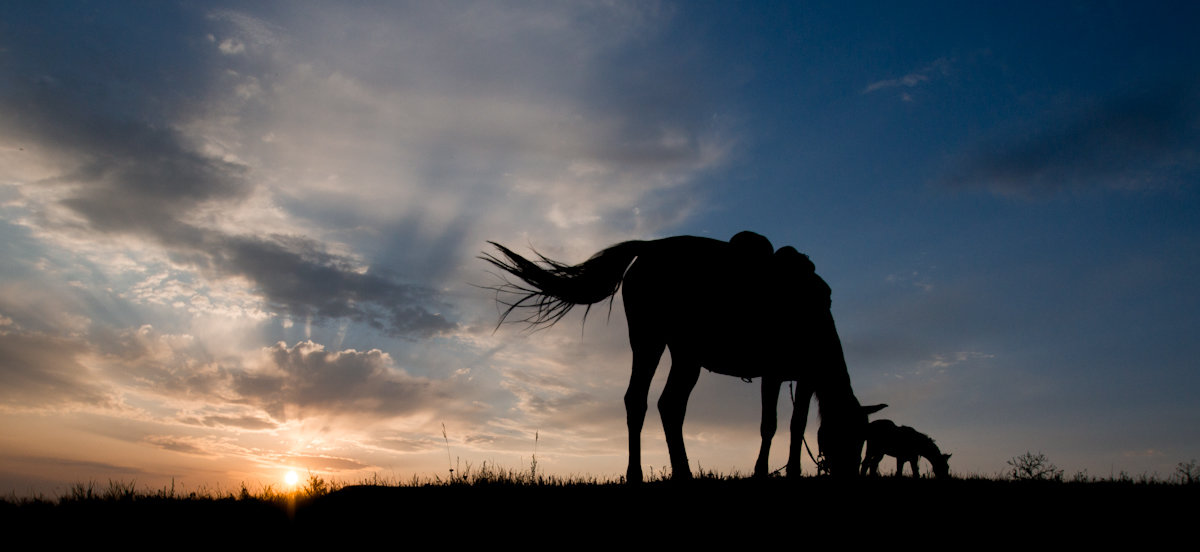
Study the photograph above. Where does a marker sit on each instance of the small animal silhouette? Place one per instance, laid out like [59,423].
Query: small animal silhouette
[884,437]
[736,308]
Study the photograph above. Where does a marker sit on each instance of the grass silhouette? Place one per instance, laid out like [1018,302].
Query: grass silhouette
[490,504]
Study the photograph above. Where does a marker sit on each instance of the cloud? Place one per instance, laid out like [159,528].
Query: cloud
[325,463]
[176,378]
[242,422]
[910,80]
[132,173]
[1148,139]
[943,361]
[407,445]
[43,372]
[300,279]
[939,67]
[306,380]
[231,46]
[197,447]
[78,466]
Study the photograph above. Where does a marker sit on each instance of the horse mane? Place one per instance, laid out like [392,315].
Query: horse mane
[928,444]
[924,444]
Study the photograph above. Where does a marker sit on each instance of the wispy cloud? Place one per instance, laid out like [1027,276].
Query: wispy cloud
[939,67]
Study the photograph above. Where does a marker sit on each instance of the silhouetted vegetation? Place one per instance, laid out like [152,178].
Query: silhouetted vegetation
[1033,467]
[1188,473]
[476,504]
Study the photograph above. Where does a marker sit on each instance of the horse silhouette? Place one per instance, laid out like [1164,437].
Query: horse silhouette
[884,437]
[737,308]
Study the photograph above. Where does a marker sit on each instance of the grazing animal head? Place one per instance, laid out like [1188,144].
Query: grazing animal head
[841,437]
[941,465]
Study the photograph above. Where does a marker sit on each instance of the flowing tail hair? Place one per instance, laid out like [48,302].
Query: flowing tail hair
[549,289]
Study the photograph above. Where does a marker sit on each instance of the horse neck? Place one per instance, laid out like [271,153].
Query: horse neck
[832,388]
[832,381]
[927,448]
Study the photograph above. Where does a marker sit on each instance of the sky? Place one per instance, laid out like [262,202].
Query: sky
[242,238]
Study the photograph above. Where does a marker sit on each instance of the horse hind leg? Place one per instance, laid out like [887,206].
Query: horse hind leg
[873,465]
[646,355]
[672,406]
[770,400]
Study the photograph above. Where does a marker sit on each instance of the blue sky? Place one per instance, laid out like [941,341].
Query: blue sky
[241,238]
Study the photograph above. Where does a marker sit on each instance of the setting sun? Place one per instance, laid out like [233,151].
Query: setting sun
[291,478]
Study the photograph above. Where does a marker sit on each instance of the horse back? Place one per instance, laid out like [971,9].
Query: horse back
[712,300]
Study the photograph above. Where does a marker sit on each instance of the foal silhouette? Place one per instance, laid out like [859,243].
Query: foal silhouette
[736,308]
[906,444]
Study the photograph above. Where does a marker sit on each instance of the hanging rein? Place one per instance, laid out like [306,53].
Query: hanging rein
[792,395]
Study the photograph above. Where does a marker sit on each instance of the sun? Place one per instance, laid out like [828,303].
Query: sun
[291,478]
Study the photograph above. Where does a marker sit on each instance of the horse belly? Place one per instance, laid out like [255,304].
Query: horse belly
[744,357]
[737,370]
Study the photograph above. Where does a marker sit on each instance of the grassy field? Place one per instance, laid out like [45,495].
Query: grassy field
[491,508]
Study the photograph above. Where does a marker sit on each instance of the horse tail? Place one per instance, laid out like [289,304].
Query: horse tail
[549,289]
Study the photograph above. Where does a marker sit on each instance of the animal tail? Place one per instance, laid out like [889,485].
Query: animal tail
[549,289]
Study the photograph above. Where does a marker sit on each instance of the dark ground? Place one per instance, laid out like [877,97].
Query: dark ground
[705,513]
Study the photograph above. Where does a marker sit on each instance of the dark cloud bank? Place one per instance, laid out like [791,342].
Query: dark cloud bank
[1143,140]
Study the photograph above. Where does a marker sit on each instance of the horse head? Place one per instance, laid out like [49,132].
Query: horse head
[941,465]
[841,436]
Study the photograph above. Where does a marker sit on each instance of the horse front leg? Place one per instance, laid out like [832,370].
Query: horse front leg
[671,408]
[645,363]
[770,399]
[799,420]
[870,463]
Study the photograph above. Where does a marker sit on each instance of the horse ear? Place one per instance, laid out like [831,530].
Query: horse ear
[873,408]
